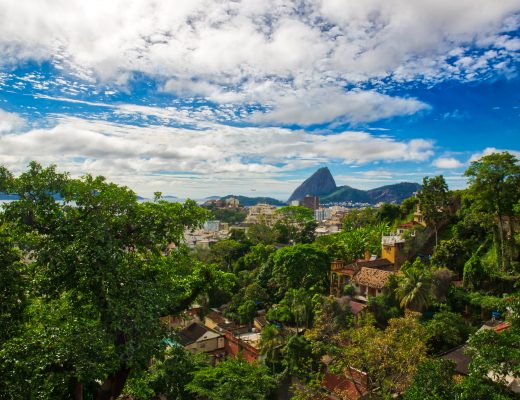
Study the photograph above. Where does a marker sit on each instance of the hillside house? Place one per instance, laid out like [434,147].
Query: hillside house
[199,339]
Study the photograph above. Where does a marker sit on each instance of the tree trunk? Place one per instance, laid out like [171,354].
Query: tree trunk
[435,228]
[78,389]
[501,236]
[114,384]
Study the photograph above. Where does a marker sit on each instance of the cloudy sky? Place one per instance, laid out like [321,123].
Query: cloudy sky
[198,98]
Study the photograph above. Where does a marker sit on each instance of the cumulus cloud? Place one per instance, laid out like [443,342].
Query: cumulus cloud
[327,105]
[118,150]
[490,150]
[447,163]
[283,55]
[10,122]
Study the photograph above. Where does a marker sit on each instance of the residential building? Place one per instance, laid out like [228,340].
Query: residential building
[392,249]
[198,338]
[232,202]
[211,226]
[311,202]
[261,213]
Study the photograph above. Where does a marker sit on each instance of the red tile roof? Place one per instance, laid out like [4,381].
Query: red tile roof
[356,307]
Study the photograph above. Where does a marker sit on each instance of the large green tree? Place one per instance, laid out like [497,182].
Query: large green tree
[433,200]
[389,358]
[295,224]
[433,380]
[299,266]
[100,274]
[233,379]
[494,189]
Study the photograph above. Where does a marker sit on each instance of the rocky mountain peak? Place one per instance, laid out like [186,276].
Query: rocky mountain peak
[318,184]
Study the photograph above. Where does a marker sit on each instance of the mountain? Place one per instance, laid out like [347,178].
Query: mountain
[385,194]
[393,193]
[321,183]
[346,193]
[252,201]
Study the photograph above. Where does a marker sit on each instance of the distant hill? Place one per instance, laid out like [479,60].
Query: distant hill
[396,193]
[252,201]
[385,194]
[346,193]
[321,183]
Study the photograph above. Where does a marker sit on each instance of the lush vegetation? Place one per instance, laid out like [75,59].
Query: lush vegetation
[86,279]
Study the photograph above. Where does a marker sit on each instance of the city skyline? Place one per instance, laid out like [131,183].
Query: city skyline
[205,98]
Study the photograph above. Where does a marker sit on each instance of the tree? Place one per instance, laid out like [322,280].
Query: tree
[358,218]
[446,330]
[329,321]
[495,353]
[295,224]
[388,213]
[12,286]
[433,199]
[479,388]
[298,358]
[299,266]
[226,252]
[247,311]
[101,276]
[451,254]
[352,245]
[255,257]
[271,343]
[432,381]
[389,358]
[494,186]
[261,233]
[414,288]
[232,379]
[166,377]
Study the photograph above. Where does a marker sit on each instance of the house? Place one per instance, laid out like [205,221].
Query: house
[392,249]
[262,213]
[260,322]
[184,319]
[370,282]
[199,339]
[368,276]
[418,216]
[245,344]
[216,321]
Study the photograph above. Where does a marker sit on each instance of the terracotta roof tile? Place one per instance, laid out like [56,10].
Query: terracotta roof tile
[372,277]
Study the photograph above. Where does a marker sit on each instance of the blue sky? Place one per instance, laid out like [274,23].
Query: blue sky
[199,98]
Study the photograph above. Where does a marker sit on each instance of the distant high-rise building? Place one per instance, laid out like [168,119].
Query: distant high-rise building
[212,226]
[312,202]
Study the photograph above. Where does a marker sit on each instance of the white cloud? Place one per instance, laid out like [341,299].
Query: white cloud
[283,55]
[10,122]
[447,163]
[326,105]
[490,150]
[128,153]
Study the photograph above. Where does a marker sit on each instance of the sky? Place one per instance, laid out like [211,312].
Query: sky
[198,98]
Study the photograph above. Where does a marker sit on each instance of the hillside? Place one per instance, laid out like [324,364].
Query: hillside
[396,193]
[252,201]
[346,193]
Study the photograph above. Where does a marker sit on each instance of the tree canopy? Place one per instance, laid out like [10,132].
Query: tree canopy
[99,274]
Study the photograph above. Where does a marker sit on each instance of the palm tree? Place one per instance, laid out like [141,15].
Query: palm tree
[270,344]
[414,290]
